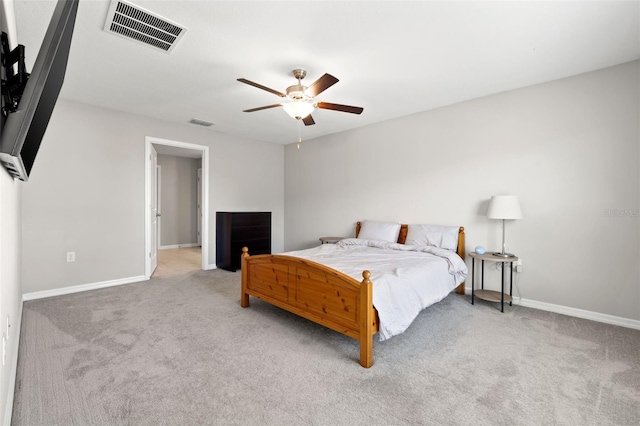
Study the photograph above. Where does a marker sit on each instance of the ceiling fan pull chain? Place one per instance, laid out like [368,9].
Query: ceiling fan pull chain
[299,136]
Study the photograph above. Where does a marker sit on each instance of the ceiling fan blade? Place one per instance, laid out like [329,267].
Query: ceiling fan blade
[338,107]
[260,86]
[321,84]
[262,107]
[308,120]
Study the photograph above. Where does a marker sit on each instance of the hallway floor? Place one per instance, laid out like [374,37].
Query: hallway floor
[177,261]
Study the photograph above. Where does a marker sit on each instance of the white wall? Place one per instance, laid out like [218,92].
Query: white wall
[10,293]
[10,242]
[569,149]
[178,189]
[86,193]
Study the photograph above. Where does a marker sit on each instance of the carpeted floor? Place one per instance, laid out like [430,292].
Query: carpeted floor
[180,350]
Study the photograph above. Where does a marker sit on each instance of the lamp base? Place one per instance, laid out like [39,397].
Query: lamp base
[505,255]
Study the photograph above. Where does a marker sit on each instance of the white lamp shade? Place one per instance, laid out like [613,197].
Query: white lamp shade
[298,109]
[504,207]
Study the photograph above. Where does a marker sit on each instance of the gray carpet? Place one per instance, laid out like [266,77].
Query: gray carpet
[181,350]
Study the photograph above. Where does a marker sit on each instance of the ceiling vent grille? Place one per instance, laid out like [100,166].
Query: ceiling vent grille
[135,23]
[200,122]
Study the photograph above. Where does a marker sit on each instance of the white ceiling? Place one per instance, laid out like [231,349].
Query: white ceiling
[393,58]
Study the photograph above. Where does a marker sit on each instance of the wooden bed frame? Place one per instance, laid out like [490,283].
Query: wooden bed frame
[319,293]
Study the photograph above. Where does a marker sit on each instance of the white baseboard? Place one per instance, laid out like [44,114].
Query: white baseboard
[82,287]
[13,371]
[175,246]
[574,312]
[91,286]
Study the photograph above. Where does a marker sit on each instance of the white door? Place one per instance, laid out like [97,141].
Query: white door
[158,231]
[153,208]
[199,207]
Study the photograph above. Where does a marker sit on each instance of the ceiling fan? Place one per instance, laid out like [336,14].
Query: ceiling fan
[301,98]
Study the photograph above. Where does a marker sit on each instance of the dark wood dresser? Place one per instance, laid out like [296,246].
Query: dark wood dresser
[235,230]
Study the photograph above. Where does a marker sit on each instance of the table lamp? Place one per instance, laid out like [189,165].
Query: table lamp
[504,207]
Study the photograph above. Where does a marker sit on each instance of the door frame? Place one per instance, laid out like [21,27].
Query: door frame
[152,162]
[204,150]
[199,206]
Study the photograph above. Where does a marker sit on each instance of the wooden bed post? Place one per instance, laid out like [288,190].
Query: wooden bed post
[461,254]
[244,296]
[366,321]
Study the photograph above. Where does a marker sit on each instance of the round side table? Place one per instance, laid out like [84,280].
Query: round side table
[490,295]
[330,240]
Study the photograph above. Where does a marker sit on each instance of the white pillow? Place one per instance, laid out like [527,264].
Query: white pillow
[383,231]
[445,237]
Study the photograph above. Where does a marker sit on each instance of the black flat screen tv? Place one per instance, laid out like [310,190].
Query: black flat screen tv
[22,130]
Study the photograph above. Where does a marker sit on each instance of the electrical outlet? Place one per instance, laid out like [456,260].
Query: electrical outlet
[71,256]
[518,265]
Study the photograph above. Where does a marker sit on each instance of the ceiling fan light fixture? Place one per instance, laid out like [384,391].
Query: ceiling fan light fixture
[298,109]
[301,100]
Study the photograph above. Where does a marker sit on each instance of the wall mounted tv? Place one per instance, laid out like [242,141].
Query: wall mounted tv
[23,129]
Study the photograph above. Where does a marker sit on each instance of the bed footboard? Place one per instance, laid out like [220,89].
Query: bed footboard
[315,292]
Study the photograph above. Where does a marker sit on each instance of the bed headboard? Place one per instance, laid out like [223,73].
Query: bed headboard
[404,228]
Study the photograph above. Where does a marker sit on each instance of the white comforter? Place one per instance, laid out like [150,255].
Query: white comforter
[406,279]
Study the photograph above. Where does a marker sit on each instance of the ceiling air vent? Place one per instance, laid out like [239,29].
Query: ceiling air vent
[135,23]
[200,122]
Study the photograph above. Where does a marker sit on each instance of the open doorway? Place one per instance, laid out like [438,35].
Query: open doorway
[177,261]
[180,250]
